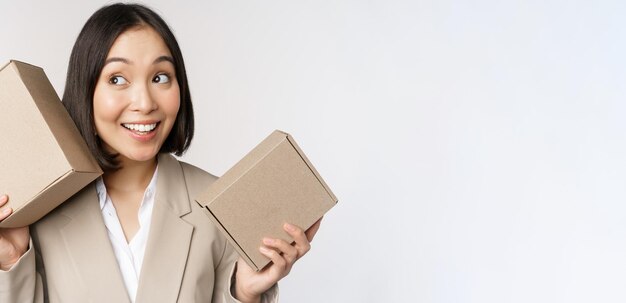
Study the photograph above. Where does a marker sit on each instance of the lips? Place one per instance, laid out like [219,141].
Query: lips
[141,128]
[142,131]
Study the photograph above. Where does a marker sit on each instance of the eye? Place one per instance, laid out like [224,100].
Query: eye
[161,78]
[117,80]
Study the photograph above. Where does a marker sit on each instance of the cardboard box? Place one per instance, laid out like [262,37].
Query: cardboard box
[273,184]
[43,158]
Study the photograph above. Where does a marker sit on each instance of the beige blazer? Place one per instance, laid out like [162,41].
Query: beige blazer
[186,260]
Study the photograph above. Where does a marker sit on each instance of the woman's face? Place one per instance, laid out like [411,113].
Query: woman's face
[137,97]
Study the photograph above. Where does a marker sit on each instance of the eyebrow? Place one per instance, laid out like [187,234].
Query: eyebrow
[124,60]
[116,59]
[164,58]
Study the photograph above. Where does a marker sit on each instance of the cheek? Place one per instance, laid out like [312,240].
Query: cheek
[106,106]
[171,103]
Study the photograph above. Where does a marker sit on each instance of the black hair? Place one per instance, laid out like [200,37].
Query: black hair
[87,60]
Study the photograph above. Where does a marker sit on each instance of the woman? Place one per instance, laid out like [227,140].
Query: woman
[134,235]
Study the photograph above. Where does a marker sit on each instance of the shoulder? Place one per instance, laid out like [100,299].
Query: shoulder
[193,172]
[196,179]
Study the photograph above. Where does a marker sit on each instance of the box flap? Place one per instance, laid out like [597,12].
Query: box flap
[229,237]
[47,200]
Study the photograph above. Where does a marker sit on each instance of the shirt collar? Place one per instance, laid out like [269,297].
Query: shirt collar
[148,194]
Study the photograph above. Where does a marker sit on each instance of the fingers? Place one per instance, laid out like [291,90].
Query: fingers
[301,241]
[5,211]
[280,264]
[289,252]
[284,254]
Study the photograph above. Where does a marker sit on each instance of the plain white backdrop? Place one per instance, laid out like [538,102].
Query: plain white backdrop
[478,148]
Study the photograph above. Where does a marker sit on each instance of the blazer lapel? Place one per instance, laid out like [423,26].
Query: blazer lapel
[169,237]
[88,245]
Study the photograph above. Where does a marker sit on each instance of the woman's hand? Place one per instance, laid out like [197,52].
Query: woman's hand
[13,241]
[250,284]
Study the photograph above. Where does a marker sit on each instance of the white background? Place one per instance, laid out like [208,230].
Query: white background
[477,147]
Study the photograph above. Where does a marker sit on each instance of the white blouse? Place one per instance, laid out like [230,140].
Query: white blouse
[129,255]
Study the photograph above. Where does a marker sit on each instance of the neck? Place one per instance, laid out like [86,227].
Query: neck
[133,176]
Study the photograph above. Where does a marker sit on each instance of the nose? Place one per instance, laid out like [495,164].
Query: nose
[142,100]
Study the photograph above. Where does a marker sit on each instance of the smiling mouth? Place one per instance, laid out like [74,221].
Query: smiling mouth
[141,129]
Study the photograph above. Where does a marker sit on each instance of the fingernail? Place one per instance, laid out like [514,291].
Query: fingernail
[268,241]
[3,198]
[6,211]
[290,227]
[264,250]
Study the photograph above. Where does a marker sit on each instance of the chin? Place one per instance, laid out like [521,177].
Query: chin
[141,156]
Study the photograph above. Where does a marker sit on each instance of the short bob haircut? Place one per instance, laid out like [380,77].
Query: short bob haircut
[87,60]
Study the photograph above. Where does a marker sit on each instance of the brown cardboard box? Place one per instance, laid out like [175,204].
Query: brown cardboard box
[273,184]
[43,158]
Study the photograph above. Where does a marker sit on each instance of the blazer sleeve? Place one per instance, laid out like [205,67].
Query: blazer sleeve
[225,280]
[22,283]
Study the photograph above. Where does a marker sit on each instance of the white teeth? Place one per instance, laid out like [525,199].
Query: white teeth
[140,127]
